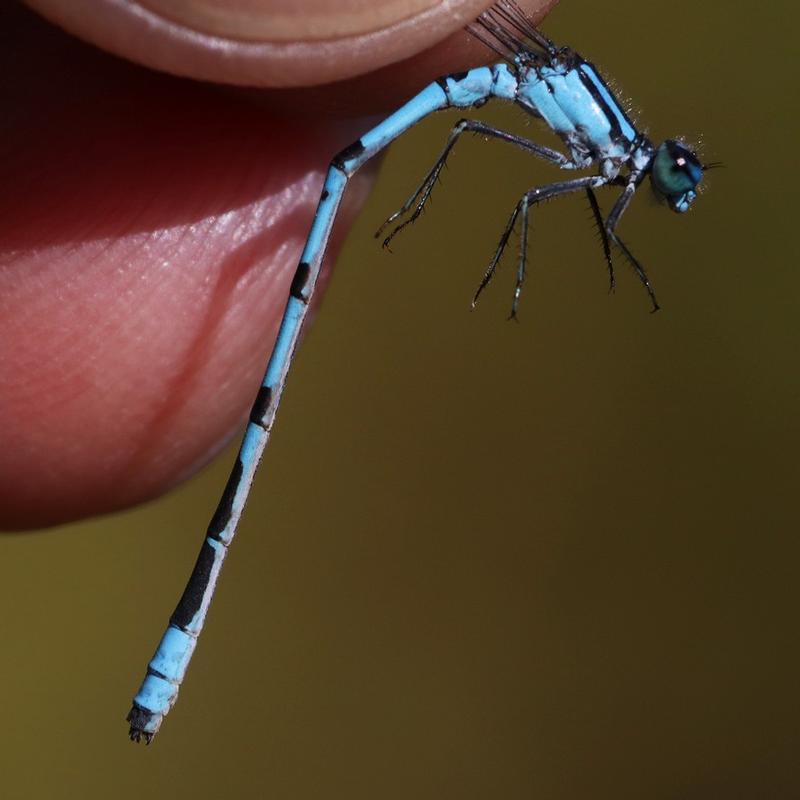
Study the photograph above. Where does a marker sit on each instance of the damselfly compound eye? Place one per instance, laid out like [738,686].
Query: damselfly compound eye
[675,174]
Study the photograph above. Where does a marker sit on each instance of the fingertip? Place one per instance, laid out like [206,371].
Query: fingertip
[149,233]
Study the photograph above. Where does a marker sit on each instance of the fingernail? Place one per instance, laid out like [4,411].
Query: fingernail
[288,20]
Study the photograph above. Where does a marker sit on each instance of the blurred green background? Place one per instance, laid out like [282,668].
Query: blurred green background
[552,560]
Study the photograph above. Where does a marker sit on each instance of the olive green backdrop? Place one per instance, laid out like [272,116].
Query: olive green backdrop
[552,560]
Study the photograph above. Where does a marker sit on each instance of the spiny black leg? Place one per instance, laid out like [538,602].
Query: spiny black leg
[598,219]
[523,252]
[423,192]
[639,269]
[489,274]
[531,198]
[623,201]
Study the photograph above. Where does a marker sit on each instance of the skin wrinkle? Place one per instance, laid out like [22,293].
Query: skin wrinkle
[181,388]
[237,266]
[277,21]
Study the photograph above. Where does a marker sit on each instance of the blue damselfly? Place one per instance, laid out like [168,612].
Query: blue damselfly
[552,83]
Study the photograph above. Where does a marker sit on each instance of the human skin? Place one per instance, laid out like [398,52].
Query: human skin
[150,224]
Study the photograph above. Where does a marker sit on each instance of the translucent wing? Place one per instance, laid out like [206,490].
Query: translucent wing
[505,29]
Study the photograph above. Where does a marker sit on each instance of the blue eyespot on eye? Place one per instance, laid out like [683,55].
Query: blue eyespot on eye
[675,174]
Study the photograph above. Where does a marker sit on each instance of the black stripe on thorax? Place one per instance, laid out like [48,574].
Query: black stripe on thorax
[591,87]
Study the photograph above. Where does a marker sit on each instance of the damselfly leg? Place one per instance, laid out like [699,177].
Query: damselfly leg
[528,200]
[423,192]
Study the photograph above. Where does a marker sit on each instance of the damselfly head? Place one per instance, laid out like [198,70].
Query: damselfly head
[675,173]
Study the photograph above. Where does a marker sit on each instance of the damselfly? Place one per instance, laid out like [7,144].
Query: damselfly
[552,83]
